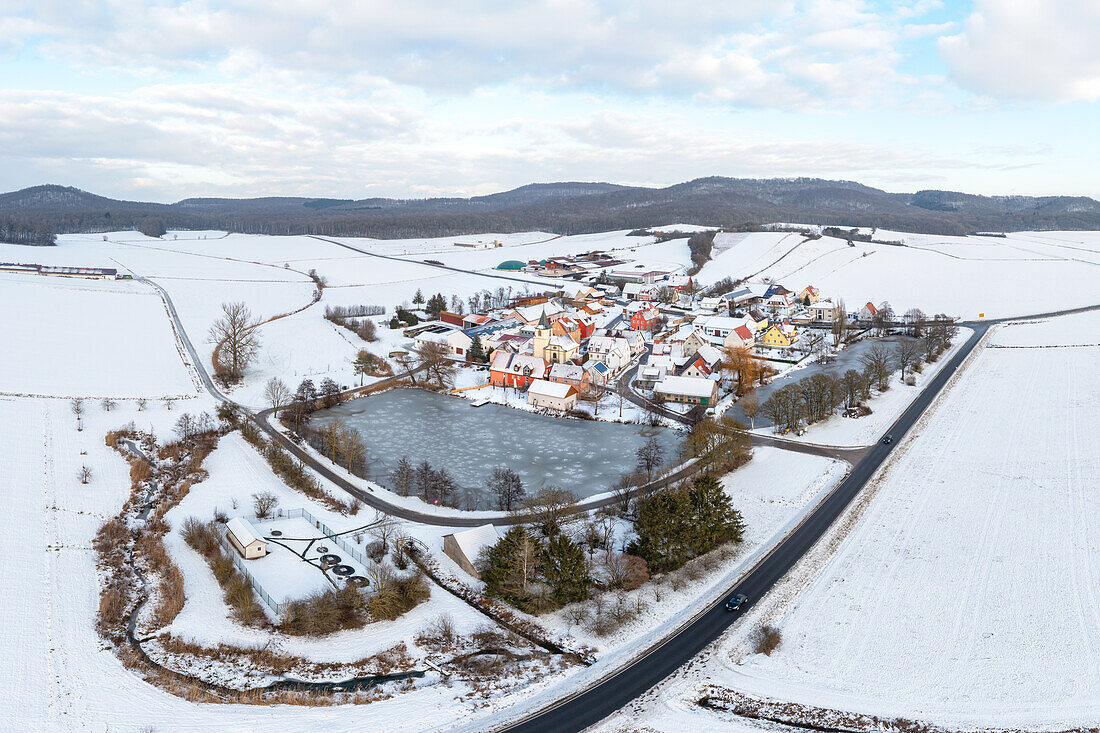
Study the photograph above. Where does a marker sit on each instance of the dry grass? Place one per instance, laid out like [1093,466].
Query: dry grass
[768,639]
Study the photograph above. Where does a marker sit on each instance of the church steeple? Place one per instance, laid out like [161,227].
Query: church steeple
[544,323]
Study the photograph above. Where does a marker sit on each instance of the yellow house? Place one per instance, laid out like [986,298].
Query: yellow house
[782,335]
[809,292]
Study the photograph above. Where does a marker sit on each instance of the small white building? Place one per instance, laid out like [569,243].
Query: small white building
[464,547]
[245,538]
[552,395]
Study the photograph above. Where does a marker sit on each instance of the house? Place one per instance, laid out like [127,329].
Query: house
[718,327]
[689,338]
[867,312]
[598,372]
[245,538]
[710,355]
[466,546]
[680,282]
[452,319]
[687,390]
[614,352]
[455,339]
[644,318]
[579,294]
[743,335]
[775,290]
[552,395]
[573,375]
[640,291]
[757,319]
[809,295]
[782,335]
[515,370]
[696,367]
[531,314]
[711,304]
[782,305]
[736,298]
[824,310]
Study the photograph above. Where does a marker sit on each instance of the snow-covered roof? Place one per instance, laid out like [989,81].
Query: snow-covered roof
[689,386]
[565,342]
[566,371]
[243,530]
[709,354]
[722,323]
[475,539]
[549,389]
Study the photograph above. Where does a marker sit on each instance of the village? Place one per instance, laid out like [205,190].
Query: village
[653,336]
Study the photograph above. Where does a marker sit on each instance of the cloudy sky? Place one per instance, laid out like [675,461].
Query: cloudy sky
[160,100]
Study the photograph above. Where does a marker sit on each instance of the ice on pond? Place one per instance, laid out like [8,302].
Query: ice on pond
[583,456]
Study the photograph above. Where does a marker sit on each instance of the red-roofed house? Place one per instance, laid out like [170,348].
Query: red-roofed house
[515,370]
[868,311]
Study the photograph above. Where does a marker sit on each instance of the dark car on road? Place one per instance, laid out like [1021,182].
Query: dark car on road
[888,440]
[734,602]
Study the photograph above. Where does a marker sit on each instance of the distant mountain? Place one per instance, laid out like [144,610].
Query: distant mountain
[34,214]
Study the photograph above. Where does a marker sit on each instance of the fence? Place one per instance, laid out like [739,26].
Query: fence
[326,531]
[238,563]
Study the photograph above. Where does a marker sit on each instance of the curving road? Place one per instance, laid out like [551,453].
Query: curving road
[615,691]
[587,707]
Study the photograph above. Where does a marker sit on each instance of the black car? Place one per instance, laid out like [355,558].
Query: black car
[734,602]
[888,440]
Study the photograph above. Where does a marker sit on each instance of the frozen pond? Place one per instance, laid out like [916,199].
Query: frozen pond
[583,456]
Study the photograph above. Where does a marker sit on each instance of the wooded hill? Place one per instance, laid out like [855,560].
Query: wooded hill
[34,215]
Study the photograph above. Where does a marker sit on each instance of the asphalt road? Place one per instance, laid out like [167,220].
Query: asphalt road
[586,708]
[616,691]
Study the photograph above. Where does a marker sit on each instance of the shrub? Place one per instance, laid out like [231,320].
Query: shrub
[768,639]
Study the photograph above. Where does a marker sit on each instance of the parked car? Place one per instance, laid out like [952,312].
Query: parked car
[734,602]
[888,440]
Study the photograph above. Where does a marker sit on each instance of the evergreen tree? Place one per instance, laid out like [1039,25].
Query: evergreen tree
[664,529]
[477,351]
[418,299]
[436,305]
[510,566]
[715,520]
[566,570]
[403,476]
[329,392]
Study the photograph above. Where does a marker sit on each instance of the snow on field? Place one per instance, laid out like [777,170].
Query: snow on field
[1023,273]
[967,594]
[91,338]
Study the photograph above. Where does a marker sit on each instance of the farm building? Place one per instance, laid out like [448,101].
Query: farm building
[465,546]
[245,538]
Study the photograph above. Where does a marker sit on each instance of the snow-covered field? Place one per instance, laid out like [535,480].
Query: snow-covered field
[88,338]
[1023,273]
[968,594]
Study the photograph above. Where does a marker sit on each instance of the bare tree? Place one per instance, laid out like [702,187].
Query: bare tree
[108,404]
[651,456]
[264,503]
[407,362]
[84,474]
[436,360]
[235,340]
[168,402]
[840,323]
[907,354]
[385,529]
[551,508]
[876,362]
[750,407]
[141,403]
[276,393]
[77,406]
[506,485]
[914,319]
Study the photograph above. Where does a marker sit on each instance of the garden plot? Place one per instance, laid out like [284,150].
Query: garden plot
[92,338]
[967,594]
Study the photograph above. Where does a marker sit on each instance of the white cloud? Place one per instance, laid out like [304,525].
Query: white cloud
[1037,49]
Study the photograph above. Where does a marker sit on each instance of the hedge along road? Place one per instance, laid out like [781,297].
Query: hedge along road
[616,690]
